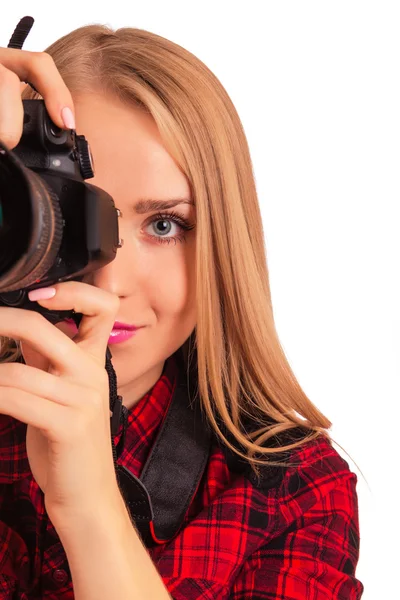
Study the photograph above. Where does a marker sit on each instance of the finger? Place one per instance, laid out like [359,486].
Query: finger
[34,358]
[33,410]
[43,384]
[40,334]
[39,68]
[11,109]
[99,309]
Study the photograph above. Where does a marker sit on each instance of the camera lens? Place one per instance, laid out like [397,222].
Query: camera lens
[30,224]
[15,217]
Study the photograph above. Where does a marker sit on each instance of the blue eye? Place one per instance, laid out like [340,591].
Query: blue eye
[165,219]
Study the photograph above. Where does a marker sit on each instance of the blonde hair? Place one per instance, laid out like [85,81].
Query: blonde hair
[242,371]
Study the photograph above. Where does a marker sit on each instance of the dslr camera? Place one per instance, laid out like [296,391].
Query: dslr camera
[53,225]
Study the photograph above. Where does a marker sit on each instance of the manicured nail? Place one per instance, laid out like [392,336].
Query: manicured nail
[68,118]
[42,293]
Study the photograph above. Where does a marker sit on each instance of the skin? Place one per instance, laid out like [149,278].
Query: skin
[154,281]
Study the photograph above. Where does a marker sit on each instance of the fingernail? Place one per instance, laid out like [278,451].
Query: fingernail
[68,118]
[42,293]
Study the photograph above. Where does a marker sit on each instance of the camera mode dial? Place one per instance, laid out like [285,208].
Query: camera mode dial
[84,157]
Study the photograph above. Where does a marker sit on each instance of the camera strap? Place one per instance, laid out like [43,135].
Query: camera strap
[159,499]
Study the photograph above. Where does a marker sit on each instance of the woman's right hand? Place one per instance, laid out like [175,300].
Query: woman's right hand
[39,69]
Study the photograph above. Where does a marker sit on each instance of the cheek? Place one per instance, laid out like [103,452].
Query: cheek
[172,286]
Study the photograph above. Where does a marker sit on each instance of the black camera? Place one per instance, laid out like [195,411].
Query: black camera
[53,226]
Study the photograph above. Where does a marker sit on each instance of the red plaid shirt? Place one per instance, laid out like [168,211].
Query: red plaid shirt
[296,540]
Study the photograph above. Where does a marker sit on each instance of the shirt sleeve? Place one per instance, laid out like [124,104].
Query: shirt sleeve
[315,558]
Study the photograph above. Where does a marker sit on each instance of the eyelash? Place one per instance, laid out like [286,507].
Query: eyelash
[177,218]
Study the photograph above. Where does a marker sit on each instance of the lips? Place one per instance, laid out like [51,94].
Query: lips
[121,334]
[118,325]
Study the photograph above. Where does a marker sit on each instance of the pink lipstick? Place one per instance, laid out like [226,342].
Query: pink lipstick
[119,333]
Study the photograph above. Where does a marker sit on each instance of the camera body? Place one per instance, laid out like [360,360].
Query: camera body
[53,225]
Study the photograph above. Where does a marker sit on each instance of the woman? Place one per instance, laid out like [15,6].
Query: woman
[248,498]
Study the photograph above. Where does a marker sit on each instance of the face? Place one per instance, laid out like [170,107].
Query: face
[153,273]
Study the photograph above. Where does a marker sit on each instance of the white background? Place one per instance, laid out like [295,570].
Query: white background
[317,87]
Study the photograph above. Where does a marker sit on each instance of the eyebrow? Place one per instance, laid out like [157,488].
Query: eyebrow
[147,205]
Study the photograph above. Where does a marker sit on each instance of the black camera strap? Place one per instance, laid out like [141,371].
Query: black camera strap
[159,499]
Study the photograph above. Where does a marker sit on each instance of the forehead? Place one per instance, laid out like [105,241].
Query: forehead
[129,155]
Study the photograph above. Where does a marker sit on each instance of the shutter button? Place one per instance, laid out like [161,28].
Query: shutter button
[60,576]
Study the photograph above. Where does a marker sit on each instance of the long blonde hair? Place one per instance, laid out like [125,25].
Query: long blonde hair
[241,368]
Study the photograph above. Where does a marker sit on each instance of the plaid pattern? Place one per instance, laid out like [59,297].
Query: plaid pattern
[297,539]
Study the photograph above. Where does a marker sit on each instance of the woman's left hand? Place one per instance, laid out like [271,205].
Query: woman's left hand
[65,401]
